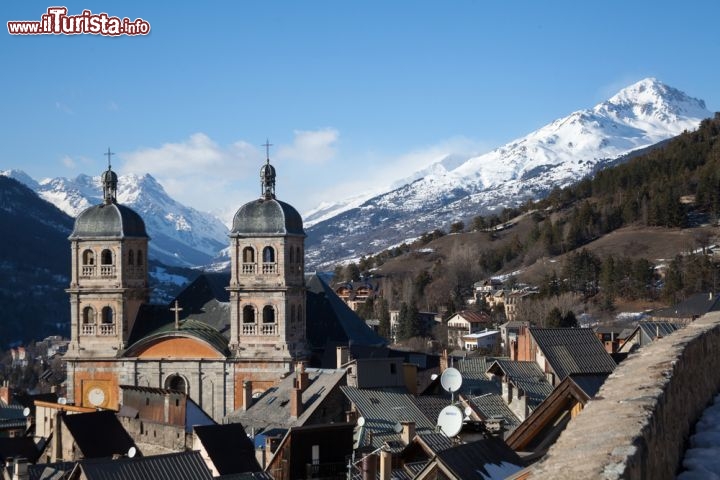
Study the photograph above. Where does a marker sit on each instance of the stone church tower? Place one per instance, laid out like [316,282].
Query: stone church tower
[267,285]
[108,285]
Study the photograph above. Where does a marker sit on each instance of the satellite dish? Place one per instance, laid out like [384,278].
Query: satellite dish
[433,376]
[451,379]
[132,451]
[361,421]
[450,420]
[26,411]
[468,411]
[62,401]
[397,428]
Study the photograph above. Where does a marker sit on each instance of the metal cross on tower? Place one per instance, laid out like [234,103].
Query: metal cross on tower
[177,311]
[267,146]
[108,154]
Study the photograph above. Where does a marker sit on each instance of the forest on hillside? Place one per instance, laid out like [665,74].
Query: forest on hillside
[674,186]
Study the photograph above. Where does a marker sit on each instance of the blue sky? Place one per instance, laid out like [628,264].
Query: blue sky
[351,94]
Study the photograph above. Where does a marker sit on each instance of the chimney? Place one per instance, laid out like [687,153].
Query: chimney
[410,377]
[5,393]
[343,356]
[443,361]
[271,444]
[408,432]
[385,465]
[20,469]
[302,378]
[296,405]
[247,394]
[369,467]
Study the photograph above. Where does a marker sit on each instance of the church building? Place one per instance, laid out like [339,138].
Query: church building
[251,333]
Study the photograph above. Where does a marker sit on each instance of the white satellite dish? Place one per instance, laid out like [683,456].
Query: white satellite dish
[361,421]
[132,451]
[450,420]
[451,380]
[62,401]
[26,412]
[397,428]
[468,411]
[433,376]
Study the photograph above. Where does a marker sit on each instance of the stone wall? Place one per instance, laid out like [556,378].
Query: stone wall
[638,423]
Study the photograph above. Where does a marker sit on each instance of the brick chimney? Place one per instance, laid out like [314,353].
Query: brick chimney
[369,466]
[408,432]
[385,465]
[443,361]
[296,405]
[247,394]
[302,378]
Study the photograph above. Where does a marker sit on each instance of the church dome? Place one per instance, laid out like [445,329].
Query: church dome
[108,220]
[267,216]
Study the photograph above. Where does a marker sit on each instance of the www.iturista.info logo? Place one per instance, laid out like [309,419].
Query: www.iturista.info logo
[57,22]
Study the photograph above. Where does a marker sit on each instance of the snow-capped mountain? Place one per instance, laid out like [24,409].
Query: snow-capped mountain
[180,235]
[556,155]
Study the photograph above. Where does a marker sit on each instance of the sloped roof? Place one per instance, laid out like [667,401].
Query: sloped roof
[473,317]
[525,375]
[572,350]
[229,448]
[331,322]
[25,447]
[173,466]
[663,329]
[589,384]
[489,458]
[98,434]
[272,409]
[382,409]
[11,416]
[475,380]
[50,471]
[206,299]
[493,406]
[187,328]
[267,216]
[694,306]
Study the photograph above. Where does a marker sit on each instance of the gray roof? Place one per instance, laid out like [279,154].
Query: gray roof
[437,442]
[187,328]
[229,448]
[11,417]
[590,384]
[272,409]
[652,329]
[572,350]
[527,376]
[98,434]
[485,459]
[267,217]
[493,406]
[108,221]
[694,306]
[173,466]
[475,380]
[382,409]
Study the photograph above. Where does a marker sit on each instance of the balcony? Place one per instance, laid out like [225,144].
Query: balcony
[107,270]
[265,329]
[87,271]
[107,329]
[248,268]
[268,268]
[87,329]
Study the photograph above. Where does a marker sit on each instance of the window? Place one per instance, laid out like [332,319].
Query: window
[106,257]
[248,255]
[88,316]
[268,314]
[292,314]
[393,369]
[292,255]
[88,257]
[298,255]
[131,257]
[248,314]
[140,258]
[177,383]
[268,255]
[316,454]
[107,315]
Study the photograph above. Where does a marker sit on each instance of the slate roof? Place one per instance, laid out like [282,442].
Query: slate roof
[11,417]
[527,376]
[382,409]
[108,221]
[572,350]
[475,380]
[493,406]
[330,322]
[206,299]
[436,442]
[651,329]
[474,317]
[431,405]
[98,434]
[229,448]
[50,471]
[11,447]
[267,217]
[590,384]
[173,466]
[481,460]
[272,409]
[695,306]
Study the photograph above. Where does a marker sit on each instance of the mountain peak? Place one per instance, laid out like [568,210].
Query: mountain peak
[650,98]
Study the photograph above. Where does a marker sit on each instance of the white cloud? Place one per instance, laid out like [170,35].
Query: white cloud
[311,146]
[68,162]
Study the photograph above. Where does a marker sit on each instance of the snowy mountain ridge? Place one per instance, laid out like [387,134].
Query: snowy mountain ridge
[555,155]
[180,235]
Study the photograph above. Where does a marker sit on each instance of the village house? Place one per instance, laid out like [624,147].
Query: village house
[465,323]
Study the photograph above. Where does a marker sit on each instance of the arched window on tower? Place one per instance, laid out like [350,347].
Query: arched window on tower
[292,256]
[131,257]
[299,257]
[248,260]
[268,260]
[88,257]
[106,257]
[139,257]
[292,314]
[269,327]
[249,327]
[88,321]
[107,315]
